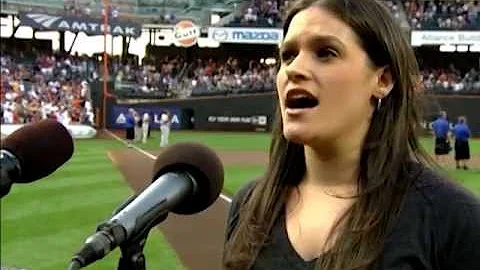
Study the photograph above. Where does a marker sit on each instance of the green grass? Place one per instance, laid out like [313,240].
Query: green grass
[228,141]
[236,176]
[45,222]
[429,143]
[231,141]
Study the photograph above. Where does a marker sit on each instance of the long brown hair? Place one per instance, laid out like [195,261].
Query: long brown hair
[390,146]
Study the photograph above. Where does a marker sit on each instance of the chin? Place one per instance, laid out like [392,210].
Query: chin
[299,134]
[309,135]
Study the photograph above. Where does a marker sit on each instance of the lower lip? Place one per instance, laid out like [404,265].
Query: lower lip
[291,111]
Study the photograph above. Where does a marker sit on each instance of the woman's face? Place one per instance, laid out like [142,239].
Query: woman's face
[325,82]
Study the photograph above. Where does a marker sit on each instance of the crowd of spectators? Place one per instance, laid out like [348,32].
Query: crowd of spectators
[37,85]
[40,85]
[419,14]
[117,9]
[456,15]
[215,77]
[451,81]
[153,77]
[260,13]
[49,86]
[175,77]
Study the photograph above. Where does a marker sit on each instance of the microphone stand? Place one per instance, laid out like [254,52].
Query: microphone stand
[132,257]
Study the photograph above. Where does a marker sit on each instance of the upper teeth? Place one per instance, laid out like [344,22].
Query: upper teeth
[300,96]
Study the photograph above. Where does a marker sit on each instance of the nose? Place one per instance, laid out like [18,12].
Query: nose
[297,70]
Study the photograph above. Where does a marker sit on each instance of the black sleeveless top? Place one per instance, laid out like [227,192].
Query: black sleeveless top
[438,228]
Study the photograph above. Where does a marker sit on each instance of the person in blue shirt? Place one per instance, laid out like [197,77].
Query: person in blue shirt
[462,133]
[441,130]
[130,127]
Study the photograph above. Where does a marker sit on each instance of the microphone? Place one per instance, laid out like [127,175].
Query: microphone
[187,179]
[33,152]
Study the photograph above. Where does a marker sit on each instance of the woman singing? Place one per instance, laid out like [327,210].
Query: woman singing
[348,185]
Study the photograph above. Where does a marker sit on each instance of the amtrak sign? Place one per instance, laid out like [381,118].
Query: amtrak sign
[89,26]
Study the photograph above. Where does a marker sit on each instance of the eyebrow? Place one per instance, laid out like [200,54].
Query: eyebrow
[314,40]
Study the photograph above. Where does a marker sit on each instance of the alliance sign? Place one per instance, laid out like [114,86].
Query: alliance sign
[89,26]
[420,38]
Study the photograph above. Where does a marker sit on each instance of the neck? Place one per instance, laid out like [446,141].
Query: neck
[336,171]
[335,166]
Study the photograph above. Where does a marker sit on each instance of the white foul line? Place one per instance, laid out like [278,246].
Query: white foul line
[223,196]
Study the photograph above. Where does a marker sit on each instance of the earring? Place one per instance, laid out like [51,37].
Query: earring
[379,104]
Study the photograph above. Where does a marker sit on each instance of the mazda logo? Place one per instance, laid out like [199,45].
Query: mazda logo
[220,35]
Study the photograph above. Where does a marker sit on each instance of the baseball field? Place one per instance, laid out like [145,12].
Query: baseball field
[44,223]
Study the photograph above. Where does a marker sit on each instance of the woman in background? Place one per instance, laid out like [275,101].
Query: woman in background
[462,133]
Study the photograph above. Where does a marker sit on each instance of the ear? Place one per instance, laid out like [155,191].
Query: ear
[384,84]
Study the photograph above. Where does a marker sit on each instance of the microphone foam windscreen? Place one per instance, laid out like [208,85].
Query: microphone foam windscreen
[40,147]
[199,161]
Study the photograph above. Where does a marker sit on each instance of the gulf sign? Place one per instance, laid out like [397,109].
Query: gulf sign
[186,33]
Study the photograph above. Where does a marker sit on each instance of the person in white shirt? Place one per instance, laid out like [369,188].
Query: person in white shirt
[90,116]
[8,116]
[145,127]
[165,122]
[138,127]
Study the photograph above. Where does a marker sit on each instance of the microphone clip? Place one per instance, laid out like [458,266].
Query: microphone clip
[132,257]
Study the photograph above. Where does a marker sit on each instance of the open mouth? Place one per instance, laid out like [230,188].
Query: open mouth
[300,99]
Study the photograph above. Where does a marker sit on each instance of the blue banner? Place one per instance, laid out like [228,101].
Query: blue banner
[246,35]
[180,120]
[89,26]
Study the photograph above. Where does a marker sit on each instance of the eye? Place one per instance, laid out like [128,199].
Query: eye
[326,53]
[287,56]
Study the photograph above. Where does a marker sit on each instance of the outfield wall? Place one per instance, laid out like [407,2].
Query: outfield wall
[241,113]
[255,112]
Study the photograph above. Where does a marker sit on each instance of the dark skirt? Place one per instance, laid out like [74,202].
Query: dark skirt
[130,133]
[442,146]
[462,150]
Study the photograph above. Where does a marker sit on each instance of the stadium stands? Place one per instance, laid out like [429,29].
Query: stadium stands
[38,85]
[48,87]
[451,81]
[456,15]
[143,11]
[419,14]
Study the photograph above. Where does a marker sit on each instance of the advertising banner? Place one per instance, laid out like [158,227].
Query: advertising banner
[246,35]
[420,38]
[235,122]
[181,119]
[77,131]
[186,33]
[89,26]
